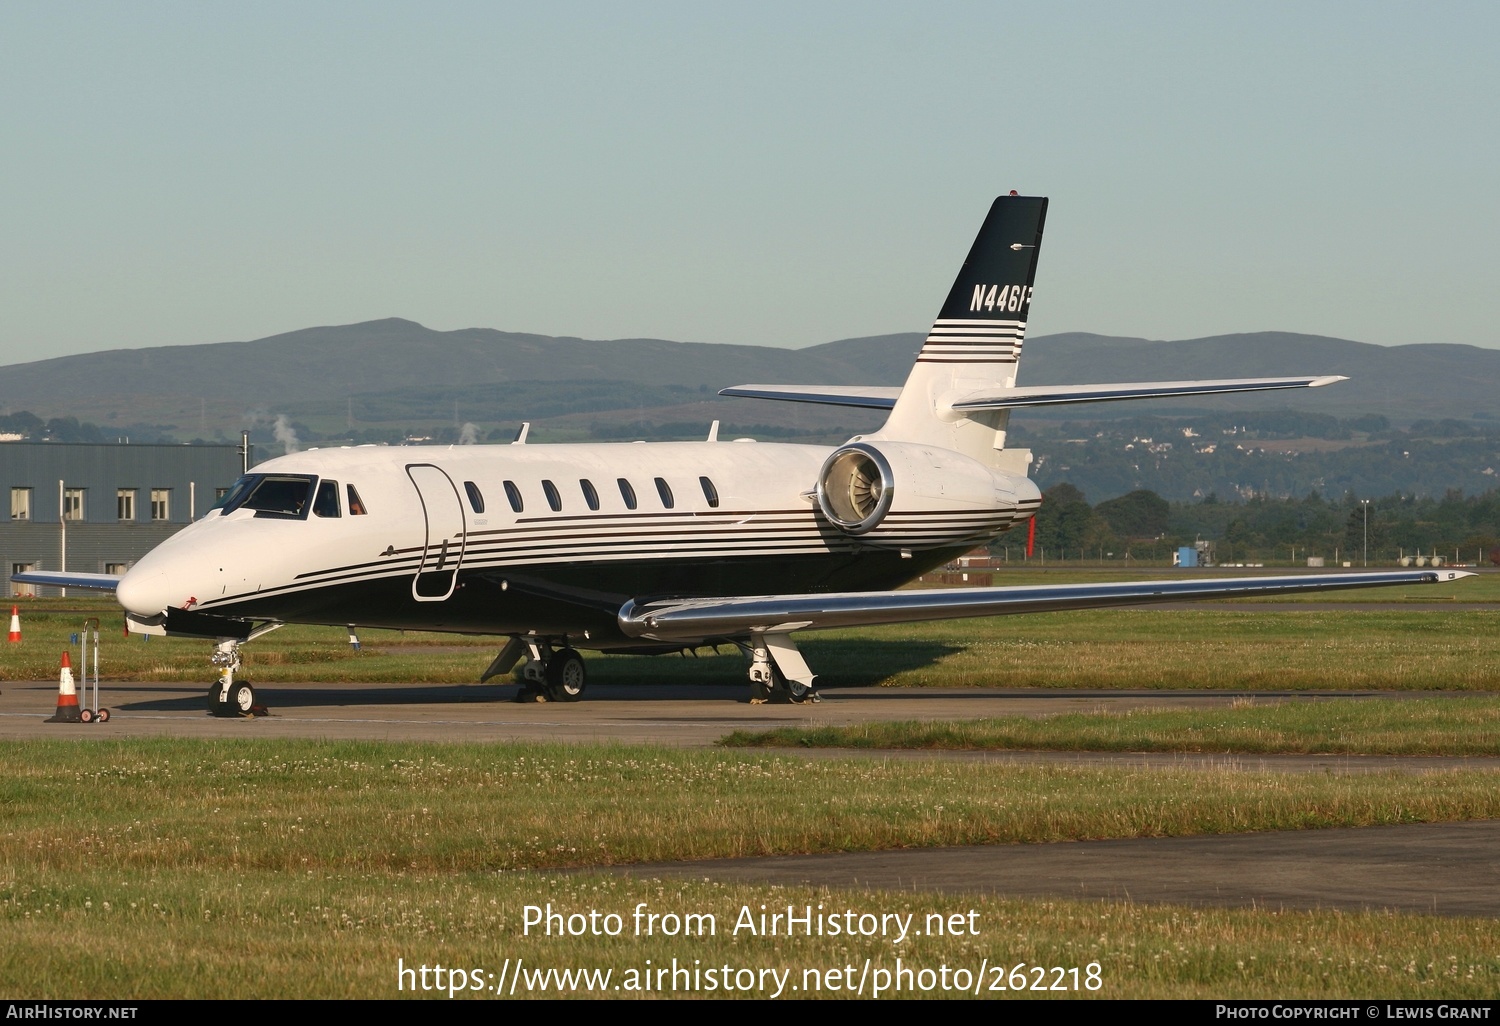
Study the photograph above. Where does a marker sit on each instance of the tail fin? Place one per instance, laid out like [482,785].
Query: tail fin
[975,343]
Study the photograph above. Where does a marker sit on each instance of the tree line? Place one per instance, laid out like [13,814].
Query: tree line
[1142,525]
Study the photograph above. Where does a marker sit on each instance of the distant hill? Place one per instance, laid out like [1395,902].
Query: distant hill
[378,370]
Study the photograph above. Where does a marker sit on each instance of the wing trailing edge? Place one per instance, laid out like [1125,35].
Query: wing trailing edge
[699,618]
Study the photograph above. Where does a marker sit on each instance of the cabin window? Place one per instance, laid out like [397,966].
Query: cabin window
[665,491]
[356,504]
[326,504]
[627,493]
[554,499]
[710,492]
[589,495]
[513,495]
[476,500]
[125,504]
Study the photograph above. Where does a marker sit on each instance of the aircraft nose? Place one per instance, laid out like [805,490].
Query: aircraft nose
[143,593]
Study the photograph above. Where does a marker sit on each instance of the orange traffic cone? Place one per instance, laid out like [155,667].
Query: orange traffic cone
[67,697]
[15,623]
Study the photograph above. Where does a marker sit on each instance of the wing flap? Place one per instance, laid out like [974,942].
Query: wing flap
[698,618]
[1056,395]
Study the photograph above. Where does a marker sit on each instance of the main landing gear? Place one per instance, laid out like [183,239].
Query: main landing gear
[549,674]
[227,696]
[778,673]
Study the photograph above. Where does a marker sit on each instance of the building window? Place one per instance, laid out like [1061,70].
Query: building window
[72,503]
[117,569]
[20,503]
[161,504]
[17,589]
[125,503]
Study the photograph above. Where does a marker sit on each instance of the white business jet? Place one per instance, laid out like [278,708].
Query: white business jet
[661,547]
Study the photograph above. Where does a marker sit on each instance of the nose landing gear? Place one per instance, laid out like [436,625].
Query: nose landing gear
[230,697]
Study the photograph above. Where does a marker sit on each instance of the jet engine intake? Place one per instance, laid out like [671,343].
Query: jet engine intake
[910,495]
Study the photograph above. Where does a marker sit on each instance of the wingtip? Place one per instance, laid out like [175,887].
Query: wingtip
[1327,379]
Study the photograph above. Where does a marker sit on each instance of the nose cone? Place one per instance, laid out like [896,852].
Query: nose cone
[143,592]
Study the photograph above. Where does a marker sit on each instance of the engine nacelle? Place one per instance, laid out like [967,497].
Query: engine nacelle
[909,495]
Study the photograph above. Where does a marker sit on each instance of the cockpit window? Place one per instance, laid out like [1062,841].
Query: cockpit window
[356,504]
[284,496]
[235,494]
[327,502]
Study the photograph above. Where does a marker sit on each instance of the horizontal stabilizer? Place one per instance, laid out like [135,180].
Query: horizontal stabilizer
[872,397]
[694,619]
[1056,395]
[58,579]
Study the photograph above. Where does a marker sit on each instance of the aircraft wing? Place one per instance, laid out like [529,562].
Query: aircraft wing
[697,618]
[870,397]
[60,579]
[1055,395]
[878,397]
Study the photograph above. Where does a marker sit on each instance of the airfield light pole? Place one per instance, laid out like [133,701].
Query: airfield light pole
[1366,504]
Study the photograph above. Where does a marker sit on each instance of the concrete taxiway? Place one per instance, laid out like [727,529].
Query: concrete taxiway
[680,715]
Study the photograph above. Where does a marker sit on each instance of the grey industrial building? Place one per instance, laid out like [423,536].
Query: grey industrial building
[99,508]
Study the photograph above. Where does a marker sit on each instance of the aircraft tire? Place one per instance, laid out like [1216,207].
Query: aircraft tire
[785,690]
[216,706]
[241,699]
[566,676]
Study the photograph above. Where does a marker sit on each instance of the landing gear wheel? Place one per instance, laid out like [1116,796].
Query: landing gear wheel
[566,676]
[216,704]
[103,715]
[241,699]
[785,690]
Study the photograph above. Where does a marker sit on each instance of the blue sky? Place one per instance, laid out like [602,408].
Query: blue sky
[778,174]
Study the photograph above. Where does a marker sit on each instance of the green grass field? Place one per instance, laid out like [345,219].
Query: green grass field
[1450,726]
[175,868]
[306,869]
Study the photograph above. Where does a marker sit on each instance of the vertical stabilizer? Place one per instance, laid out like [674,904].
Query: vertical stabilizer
[975,343]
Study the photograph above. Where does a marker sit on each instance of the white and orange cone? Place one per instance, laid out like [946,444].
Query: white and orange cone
[67,696]
[15,623]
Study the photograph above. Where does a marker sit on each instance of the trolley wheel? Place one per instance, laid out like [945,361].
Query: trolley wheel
[103,715]
[85,716]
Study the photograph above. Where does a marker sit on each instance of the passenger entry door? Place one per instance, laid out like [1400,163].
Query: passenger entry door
[443,548]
